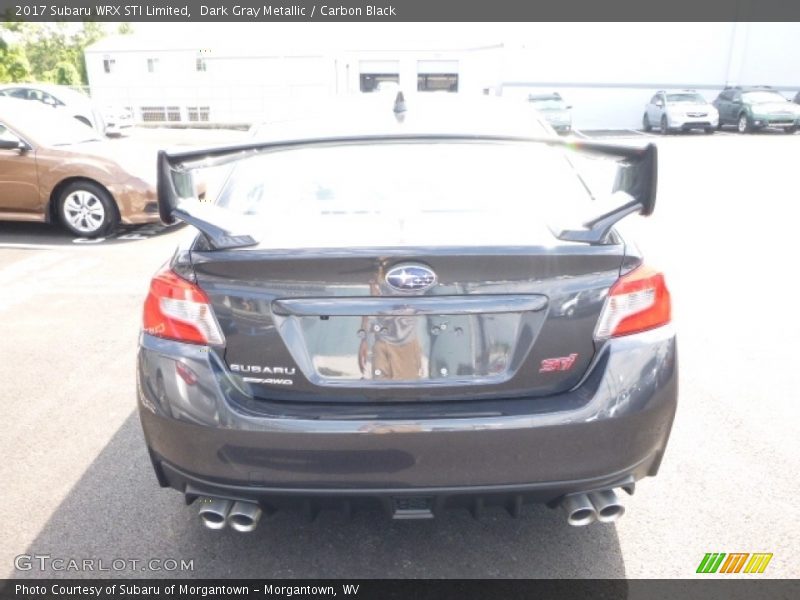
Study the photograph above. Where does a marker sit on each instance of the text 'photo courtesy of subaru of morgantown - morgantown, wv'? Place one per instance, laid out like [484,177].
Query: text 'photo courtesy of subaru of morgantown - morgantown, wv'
[443,315]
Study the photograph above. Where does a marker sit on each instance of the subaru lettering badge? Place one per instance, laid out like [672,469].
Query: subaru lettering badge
[410,278]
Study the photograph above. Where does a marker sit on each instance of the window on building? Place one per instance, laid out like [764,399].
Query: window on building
[153,113]
[197,113]
[370,82]
[152,65]
[160,113]
[200,65]
[108,65]
[437,82]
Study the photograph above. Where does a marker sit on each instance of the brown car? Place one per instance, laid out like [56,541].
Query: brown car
[53,168]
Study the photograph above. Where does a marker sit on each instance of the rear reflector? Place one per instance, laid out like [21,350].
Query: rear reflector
[179,310]
[636,302]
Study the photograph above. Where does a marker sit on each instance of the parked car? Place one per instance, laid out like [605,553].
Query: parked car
[117,119]
[106,120]
[679,111]
[380,309]
[555,110]
[53,168]
[754,108]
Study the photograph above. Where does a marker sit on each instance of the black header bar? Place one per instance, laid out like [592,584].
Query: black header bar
[400,10]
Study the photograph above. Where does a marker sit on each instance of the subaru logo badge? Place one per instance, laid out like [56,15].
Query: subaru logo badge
[410,278]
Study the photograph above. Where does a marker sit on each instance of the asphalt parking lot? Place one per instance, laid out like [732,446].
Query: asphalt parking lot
[77,483]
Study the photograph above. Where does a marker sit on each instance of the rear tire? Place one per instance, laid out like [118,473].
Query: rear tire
[646,123]
[709,130]
[87,210]
[743,124]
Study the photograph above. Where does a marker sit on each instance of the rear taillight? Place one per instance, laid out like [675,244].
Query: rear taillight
[179,310]
[637,301]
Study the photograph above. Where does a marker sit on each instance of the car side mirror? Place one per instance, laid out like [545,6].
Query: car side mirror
[659,104]
[13,145]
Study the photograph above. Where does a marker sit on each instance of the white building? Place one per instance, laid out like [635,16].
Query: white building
[607,71]
[226,83]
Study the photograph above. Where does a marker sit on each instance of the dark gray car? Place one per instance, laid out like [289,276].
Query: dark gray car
[402,309]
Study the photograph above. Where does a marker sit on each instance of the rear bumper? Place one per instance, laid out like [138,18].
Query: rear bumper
[608,432]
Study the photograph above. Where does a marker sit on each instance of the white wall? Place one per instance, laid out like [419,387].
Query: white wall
[607,71]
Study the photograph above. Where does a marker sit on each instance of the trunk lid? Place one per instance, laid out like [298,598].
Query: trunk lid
[327,325]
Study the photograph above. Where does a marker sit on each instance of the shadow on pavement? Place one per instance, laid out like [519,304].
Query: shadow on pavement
[116,510]
[51,234]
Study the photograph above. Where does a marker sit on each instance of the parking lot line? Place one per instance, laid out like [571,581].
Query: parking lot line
[12,246]
[643,133]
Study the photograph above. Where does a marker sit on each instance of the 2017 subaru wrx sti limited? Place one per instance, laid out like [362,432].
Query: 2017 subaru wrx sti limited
[389,310]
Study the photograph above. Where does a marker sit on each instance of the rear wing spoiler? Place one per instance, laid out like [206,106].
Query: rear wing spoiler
[637,171]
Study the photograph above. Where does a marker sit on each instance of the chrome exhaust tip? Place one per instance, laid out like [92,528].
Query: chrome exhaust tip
[214,512]
[579,509]
[244,516]
[607,506]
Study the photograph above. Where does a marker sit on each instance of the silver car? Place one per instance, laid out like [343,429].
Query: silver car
[679,111]
[109,120]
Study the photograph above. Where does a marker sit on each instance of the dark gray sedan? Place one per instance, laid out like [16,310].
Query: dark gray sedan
[415,305]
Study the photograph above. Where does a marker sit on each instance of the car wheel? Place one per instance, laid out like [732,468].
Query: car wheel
[791,129]
[87,210]
[646,123]
[709,130]
[664,127]
[743,124]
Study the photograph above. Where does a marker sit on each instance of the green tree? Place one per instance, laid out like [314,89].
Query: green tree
[47,51]
[14,65]
[65,73]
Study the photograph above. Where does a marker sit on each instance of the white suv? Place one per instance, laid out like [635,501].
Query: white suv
[679,111]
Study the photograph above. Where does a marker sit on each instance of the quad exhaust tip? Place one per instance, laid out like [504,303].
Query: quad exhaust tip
[214,512]
[579,510]
[584,509]
[244,516]
[607,506]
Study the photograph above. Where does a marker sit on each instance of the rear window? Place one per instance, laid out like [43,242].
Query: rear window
[409,178]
